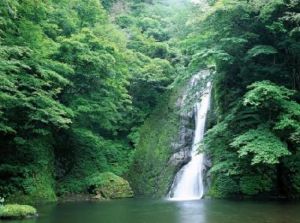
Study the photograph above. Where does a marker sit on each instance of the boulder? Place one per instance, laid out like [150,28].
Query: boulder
[107,185]
[17,211]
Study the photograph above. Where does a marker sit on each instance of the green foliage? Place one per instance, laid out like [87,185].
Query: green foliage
[149,175]
[76,86]
[264,145]
[74,89]
[100,185]
[255,94]
[223,186]
[264,94]
[292,163]
[275,102]
[16,211]
[125,21]
[261,50]
[252,185]
[32,179]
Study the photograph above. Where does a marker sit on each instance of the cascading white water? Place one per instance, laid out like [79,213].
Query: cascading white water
[188,183]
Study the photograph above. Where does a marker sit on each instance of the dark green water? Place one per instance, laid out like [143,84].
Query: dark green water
[159,211]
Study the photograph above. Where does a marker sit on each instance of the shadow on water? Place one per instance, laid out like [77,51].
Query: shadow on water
[164,211]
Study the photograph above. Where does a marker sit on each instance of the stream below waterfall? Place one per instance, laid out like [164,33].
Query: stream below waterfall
[163,211]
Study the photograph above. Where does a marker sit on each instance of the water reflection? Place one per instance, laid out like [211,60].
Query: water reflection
[191,211]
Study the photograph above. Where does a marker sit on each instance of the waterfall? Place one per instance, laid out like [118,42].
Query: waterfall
[188,182]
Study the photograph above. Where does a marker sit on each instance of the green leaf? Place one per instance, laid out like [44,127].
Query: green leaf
[261,50]
[260,144]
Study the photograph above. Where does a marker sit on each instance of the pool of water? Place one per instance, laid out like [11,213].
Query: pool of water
[163,211]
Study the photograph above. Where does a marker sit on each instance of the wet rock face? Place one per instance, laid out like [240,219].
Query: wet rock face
[182,152]
[182,146]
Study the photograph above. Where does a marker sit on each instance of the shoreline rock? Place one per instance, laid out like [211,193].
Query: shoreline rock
[17,211]
[101,186]
[109,186]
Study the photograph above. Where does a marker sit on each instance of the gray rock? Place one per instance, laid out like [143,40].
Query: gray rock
[182,145]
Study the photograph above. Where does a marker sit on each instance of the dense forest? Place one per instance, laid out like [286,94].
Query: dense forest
[88,92]
[254,143]
[76,83]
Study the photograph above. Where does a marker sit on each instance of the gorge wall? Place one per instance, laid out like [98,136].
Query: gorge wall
[164,145]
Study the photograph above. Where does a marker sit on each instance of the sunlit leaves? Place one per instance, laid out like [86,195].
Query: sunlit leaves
[23,87]
[268,96]
[261,50]
[264,93]
[215,54]
[262,144]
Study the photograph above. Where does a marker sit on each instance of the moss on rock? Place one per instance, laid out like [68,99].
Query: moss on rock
[151,174]
[108,186]
[16,211]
